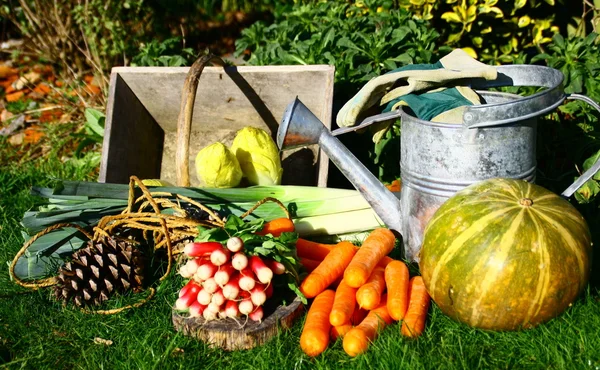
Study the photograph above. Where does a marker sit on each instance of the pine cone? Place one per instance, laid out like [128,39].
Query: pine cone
[99,270]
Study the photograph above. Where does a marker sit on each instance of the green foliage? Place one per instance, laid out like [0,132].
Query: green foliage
[494,31]
[362,40]
[573,134]
[167,53]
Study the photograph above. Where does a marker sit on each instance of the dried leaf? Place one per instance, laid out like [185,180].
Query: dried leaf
[14,96]
[5,115]
[42,88]
[33,135]
[6,71]
[16,124]
[27,79]
[106,342]
[16,139]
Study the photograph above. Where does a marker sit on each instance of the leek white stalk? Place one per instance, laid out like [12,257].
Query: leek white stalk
[338,223]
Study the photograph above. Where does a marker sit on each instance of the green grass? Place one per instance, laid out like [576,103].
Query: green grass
[38,333]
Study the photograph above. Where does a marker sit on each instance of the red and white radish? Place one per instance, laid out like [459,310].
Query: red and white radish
[245,306]
[186,287]
[247,281]
[200,249]
[209,314]
[258,295]
[278,268]
[185,272]
[205,271]
[213,307]
[196,309]
[218,298]
[219,256]
[260,269]
[231,309]
[210,285]
[239,261]
[257,314]
[235,244]
[204,297]
[192,265]
[232,288]
[224,273]
[186,300]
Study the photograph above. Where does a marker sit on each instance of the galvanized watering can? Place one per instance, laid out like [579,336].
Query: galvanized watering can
[496,139]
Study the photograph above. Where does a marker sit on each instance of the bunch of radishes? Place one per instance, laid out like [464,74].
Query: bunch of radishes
[225,281]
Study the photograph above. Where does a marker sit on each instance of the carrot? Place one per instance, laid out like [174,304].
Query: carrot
[368,296]
[356,341]
[358,315]
[317,251]
[340,331]
[385,261]
[309,264]
[277,226]
[313,250]
[343,305]
[418,304]
[329,270]
[315,333]
[396,281]
[378,244]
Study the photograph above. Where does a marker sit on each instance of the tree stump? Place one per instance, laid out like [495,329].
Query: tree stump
[231,335]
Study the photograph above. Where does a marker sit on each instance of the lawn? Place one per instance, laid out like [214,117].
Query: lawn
[36,332]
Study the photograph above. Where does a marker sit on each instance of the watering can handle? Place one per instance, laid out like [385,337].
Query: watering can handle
[596,166]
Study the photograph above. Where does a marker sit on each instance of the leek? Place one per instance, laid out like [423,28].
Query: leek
[316,212]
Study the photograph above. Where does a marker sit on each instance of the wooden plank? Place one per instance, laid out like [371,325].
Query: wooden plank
[133,142]
[231,98]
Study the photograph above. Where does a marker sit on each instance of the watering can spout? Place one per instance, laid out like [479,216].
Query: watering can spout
[300,127]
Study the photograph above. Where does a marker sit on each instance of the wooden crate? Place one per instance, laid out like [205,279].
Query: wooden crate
[143,107]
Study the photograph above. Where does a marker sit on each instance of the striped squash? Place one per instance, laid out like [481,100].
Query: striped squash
[505,254]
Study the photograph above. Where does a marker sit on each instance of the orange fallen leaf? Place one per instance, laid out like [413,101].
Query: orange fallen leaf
[88,79]
[92,89]
[58,83]
[51,115]
[6,71]
[14,96]
[33,135]
[8,81]
[42,88]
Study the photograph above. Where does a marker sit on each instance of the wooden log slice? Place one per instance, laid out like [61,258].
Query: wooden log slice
[231,335]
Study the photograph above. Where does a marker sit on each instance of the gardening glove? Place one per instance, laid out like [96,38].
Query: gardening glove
[440,105]
[415,78]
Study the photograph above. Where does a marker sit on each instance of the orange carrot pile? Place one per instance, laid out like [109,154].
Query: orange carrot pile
[343,305]
[396,281]
[378,244]
[368,296]
[368,291]
[356,341]
[315,334]
[414,321]
[329,270]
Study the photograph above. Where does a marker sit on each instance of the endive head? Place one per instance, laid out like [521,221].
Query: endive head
[258,156]
[217,167]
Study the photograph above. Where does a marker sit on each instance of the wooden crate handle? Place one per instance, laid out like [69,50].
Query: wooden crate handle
[186,112]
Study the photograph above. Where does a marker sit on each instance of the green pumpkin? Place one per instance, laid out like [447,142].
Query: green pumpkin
[505,254]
